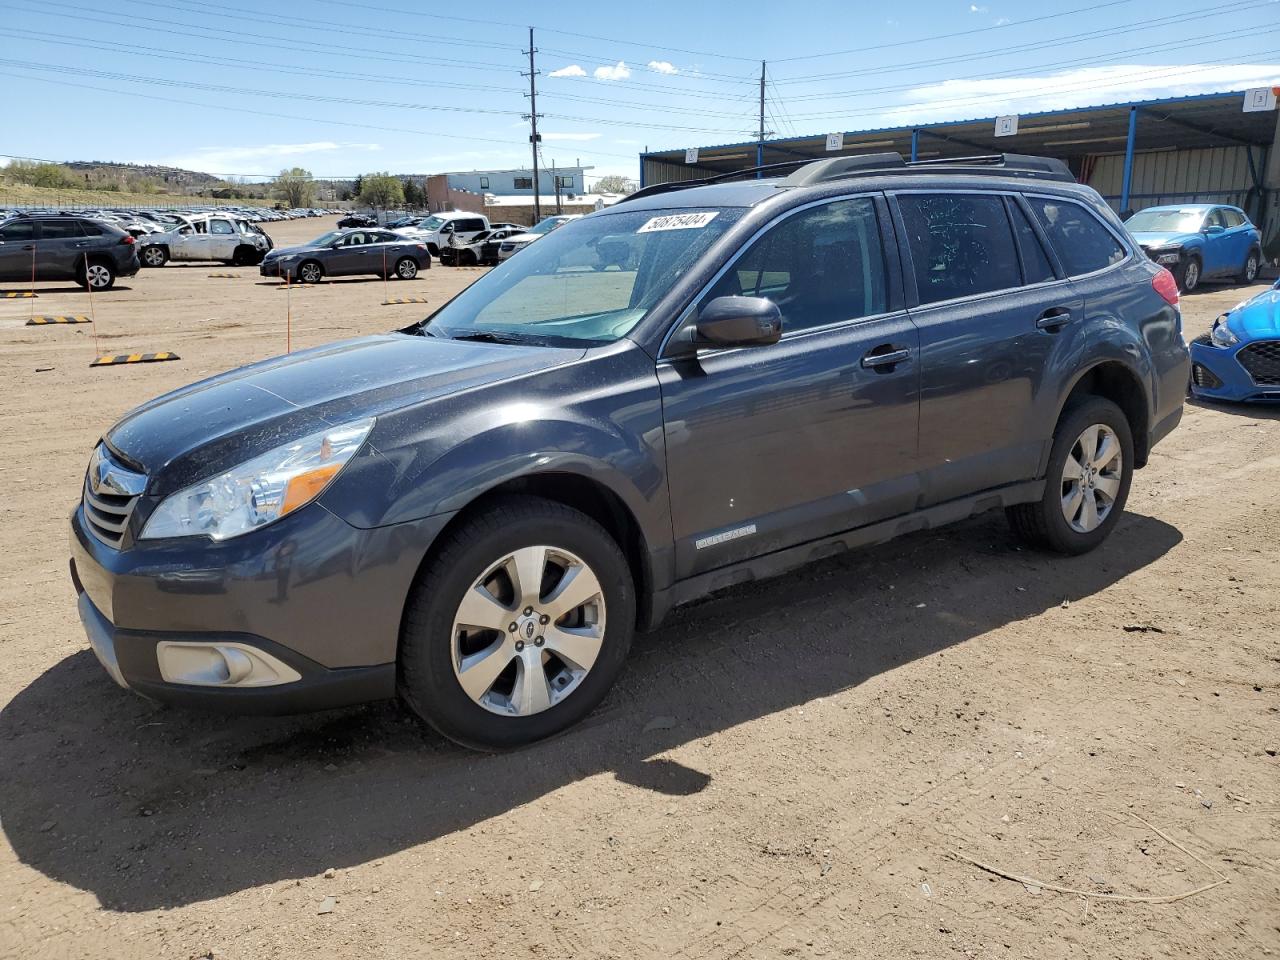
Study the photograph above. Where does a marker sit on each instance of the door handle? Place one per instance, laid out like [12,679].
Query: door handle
[29,246]
[1054,319]
[891,358]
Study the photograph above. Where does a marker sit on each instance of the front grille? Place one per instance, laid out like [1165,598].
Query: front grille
[110,492]
[1204,377]
[107,514]
[1262,360]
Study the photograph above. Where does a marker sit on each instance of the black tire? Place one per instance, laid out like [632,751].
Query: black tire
[406,268]
[1043,523]
[154,256]
[98,274]
[309,271]
[1252,263]
[426,678]
[1189,274]
[469,259]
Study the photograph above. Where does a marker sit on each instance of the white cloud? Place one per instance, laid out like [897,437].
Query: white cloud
[219,158]
[1082,87]
[572,70]
[663,66]
[974,8]
[620,71]
[1001,21]
[571,136]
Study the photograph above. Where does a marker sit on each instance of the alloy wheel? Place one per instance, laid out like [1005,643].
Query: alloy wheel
[1191,277]
[154,257]
[1091,478]
[407,270]
[528,631]
[99,276]
[1251,269]
[310,273]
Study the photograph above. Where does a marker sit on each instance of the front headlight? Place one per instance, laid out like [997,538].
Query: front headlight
[1221,334]
[260,490]
[1168,256]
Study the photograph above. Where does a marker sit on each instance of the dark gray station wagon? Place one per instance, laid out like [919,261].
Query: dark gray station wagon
[705,384]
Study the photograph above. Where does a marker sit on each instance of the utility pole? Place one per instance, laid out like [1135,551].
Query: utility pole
[534,139]
[760,139]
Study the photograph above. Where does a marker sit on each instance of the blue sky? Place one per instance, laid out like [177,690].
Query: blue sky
[348,87]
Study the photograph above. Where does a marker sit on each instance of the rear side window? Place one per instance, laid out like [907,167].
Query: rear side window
[60,229]
[221,227]
[90,228]
[1035,264]
[820,266]
[1083,243]
[1234,218]
[468,225]
[961,245]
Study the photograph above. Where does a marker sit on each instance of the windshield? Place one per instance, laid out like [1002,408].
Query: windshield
[1165,221]
[327,239]
[432,223]
[589,284]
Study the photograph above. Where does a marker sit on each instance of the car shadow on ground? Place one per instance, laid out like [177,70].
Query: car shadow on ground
[73,288]
[150,808]
[1258,410]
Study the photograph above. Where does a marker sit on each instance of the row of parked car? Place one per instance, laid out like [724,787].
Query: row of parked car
[460,237]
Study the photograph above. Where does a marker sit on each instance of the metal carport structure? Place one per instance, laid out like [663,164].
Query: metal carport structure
[1184,149]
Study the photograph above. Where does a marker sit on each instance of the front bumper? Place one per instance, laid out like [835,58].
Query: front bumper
[311,591]
[1217,374]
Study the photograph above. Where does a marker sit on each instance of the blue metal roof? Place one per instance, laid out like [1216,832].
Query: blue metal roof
[1044,114]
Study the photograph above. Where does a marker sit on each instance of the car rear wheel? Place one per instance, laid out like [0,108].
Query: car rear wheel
[1087,481]
[406,268]
[1188,275]
[519,625]
[1251,264]
[155,256]
[310,272]
[97,275]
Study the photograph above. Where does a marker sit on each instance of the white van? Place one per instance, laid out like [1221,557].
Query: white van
[436,229]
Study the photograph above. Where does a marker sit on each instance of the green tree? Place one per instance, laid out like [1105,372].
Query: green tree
[381,190]
[413,195]
[295,187]
[614,184]
[40,174]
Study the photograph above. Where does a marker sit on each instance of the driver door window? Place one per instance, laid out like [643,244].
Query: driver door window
[821,266]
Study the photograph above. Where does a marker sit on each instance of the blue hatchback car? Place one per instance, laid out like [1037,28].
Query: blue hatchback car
[1199,241]
[1239,359]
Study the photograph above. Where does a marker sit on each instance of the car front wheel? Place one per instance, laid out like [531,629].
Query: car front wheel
[1188,275]
[1087,482]
[519,625]
[310,272]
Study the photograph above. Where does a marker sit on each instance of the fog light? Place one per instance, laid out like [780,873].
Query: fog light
[221,665]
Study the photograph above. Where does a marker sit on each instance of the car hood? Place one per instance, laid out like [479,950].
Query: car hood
[290,251]
[202,429]
[1257,319]
[1149,239]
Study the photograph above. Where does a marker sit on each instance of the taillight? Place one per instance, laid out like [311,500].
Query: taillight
[127,238]
[1164,284]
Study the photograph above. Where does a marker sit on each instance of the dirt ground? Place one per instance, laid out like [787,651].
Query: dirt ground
[799,769]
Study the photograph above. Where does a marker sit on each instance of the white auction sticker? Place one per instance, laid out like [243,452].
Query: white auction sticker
[679,221]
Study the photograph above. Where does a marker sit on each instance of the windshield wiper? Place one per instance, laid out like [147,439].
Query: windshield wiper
[488,336]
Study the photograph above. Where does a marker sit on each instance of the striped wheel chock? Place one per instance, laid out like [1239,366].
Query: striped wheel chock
[19,295]
[134,358]
[40,320]
[225,276]
[387,303]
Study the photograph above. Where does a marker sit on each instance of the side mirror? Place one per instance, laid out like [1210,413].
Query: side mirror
[738,322]
[1215,229]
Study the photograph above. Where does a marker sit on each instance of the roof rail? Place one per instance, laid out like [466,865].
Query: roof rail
[657,188]
[1006,164]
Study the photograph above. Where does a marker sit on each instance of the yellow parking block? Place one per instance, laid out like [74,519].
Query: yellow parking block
[228,276]
[387,303]
[41,320]
[19,295]
[133,358]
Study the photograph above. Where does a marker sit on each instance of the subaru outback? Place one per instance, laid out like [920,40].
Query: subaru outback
[706,384]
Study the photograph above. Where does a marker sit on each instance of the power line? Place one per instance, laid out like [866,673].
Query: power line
[1067,40]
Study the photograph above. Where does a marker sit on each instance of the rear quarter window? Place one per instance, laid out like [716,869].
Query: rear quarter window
[1083,244]
[961,245]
